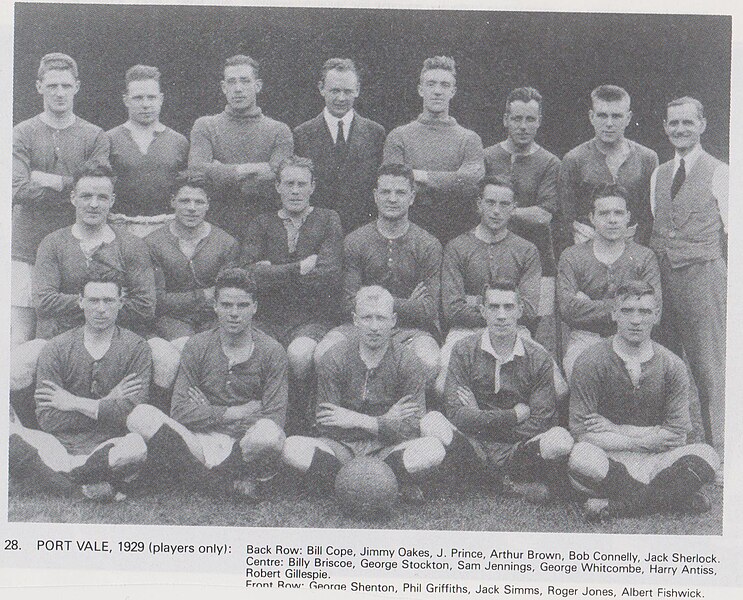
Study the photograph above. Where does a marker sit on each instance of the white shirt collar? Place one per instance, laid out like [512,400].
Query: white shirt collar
[689,159]
[332,122]
[487,346]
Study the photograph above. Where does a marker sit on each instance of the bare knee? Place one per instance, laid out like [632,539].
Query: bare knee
[589,461]
[330,340]
[263,436]
[422,454]
[436,425]
[23,361]
[129,450]
[300,353]
[427,350]
[555,443]
[299,450]
[145,420]
[165,361]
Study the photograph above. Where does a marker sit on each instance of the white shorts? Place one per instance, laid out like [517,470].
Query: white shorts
[644,466]
[216,446]
[21,277]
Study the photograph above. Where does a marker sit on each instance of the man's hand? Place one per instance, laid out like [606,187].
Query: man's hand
[306,265]
[241,411]
[420,291]
[56,397]
[209,294]
[662,440]
[48,180]
[466,397]
[196,396]
[404,408]
[128,387]
[523,412]
[581,296]
[595,423]
[331,415]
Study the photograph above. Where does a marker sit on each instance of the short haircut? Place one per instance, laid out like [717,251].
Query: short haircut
[56,61]
[525,95]
[609,190]
[93,169]
[501,285]
[194,179]
[610,93]
[109,277]
[374,293]
[497,180]
[141,73]
[397,170]
[446,63]
[235,277]
[339,64]
[634,289]
[296,161]
[687,100]
[242,59]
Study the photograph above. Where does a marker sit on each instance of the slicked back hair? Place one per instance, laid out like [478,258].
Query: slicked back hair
[56,61]
[496,180]
[235,277]
[501,285]
[445,63]
[242,59]
[397,170]
[610,93]
[634,289]
[609,190]
[93,169]
[141,73]
[687,100]
[339,64]
[296,161]
[525,95]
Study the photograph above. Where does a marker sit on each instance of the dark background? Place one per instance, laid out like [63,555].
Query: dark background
[655,57]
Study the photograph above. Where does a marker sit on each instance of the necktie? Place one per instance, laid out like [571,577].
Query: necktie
[340,139]
[678,179]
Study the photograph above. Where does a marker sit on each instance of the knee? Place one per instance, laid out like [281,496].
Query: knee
[180,342]
[263,436]
[436,425]
[298,452]
[165,361]
[131,449]
[555,443]
[23,361]
[327,343]
[428,352]
[422,454]
[145,420]
[300,353]
[588,460]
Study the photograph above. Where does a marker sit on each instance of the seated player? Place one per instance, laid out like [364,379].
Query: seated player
[486,253]
[231,391]
[629,410]
[401,257]
[370,403]
[591,272]
[91,248]
[187,254]
[297,254]
[501,404]
[90,384]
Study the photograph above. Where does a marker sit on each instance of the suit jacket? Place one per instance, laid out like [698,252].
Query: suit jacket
[344,181]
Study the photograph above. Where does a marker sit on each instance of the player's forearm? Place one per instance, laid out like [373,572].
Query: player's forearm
[612,441]
[534,215]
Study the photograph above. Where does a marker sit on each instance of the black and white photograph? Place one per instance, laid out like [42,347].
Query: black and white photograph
[365,269]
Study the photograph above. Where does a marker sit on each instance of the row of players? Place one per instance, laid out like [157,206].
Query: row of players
[629,410]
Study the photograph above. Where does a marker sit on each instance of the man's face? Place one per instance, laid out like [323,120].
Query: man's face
[240,87]
[393,196]
[339,90]
[635,317]
[496,206]
[610,218]
[684,127]
[58,88]
[190,205]
[143,100]
[375,320]
[101,303]
[610,119]
[501,310]
[93,198]
[235,309]
[295,188]
[437,87]
[522,122]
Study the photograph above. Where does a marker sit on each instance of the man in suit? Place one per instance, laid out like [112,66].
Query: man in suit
[689,197]
[345,148]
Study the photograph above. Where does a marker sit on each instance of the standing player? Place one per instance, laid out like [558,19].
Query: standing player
[629,410]
[501,403]
[371,402]
[345,148]
[607,158]
[187,255]
[47,151]
[146,155]
[398,255]
[690,199]
[231,390]
[240,149]
[591,272]
[446,158]
[533,172]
